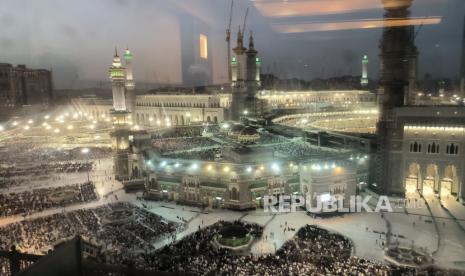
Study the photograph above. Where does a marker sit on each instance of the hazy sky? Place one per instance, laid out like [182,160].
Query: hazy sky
[77,38]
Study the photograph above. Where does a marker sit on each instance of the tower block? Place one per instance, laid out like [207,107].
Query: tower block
[119,113]
[396,48]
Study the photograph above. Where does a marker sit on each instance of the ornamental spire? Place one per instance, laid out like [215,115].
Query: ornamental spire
[251,43]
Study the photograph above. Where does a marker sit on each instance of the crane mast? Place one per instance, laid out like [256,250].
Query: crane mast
[245,21]
[228,41]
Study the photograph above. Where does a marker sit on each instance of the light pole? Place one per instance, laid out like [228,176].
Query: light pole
[86,151]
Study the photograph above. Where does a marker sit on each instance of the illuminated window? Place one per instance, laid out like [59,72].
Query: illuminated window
[203,46]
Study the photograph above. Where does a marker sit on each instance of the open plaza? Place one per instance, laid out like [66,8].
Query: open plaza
[71,190]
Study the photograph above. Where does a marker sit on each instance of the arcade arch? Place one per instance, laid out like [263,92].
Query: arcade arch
[449,182]
[430,182]
[413,179]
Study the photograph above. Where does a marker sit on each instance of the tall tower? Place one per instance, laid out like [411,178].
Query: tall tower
[130,95]
[412,58]
[396,47]
[253,65]
[462,68]
[239,71]
[130,86]
[119,113]
[117,76]
[364,80]
[245,67]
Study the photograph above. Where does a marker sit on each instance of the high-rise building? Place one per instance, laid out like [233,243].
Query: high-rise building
[24,86]
[364,80]
[395,48]
[418,146]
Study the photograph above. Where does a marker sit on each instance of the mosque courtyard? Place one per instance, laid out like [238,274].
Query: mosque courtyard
[431,226]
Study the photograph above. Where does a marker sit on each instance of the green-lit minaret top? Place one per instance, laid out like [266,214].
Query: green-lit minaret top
[365,59]
[127,54]
[116,70]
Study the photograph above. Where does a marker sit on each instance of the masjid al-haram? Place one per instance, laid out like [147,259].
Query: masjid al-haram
[253,175]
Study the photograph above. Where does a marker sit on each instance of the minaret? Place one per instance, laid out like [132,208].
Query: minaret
[119,113]
[253,64]
[396,49]
[117,76]
[364,80]
[239,76]
[255,107]
[130,86]
[240,59]
[462,68]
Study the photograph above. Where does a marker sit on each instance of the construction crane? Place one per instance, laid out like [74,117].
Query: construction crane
[228,41]
[245,21]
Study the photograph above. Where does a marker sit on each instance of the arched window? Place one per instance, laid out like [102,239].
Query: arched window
[234,194]
[433,148]
[415,146]
[452,149]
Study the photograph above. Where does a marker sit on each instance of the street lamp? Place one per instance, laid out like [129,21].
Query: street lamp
[86,151]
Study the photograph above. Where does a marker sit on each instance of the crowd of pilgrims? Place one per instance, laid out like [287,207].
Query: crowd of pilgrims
[181,143]
[41,163]
[45,168]
[137,233]
[36,200]
[177,132]
[188,138]
[312,251]
[296,149]
[23,153]
[204,154]
[269,138]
